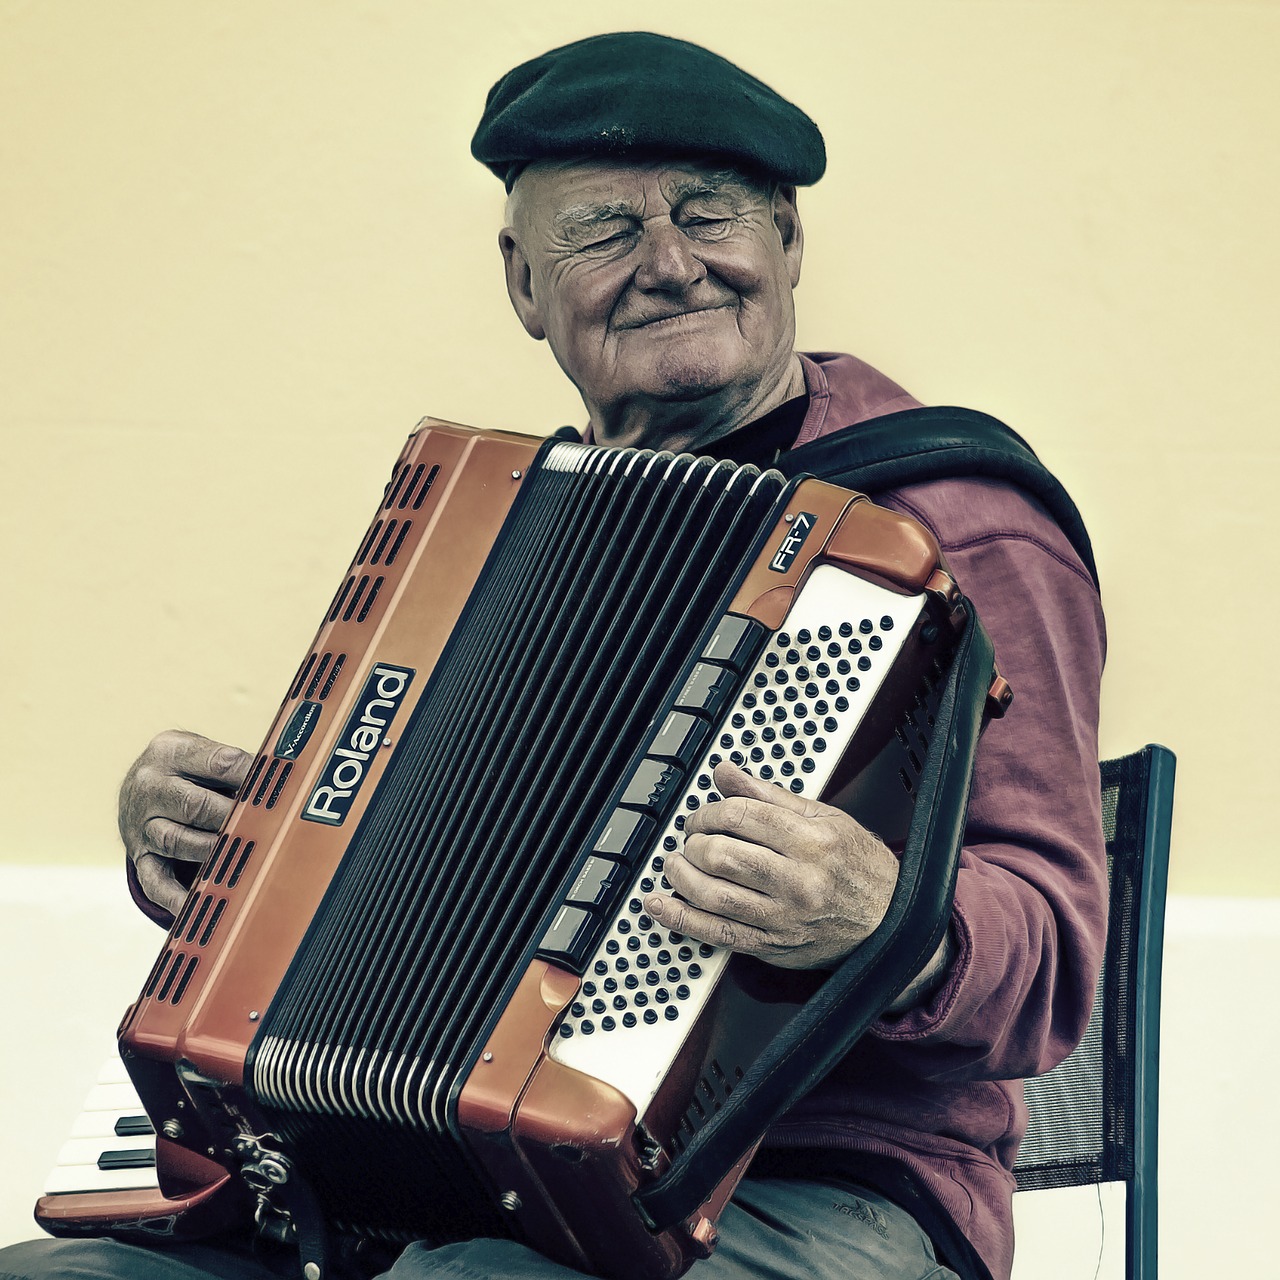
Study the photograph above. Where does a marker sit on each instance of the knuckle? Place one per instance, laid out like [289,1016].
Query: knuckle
[161,836]
[724,901]
[193,805]
[732,936]
[760,872]
[137,773]
[812,808]
[229,762]
[713,857]
[830,840]
[811,898]
[167,743]
[150,873]
[733,812]
[674,914]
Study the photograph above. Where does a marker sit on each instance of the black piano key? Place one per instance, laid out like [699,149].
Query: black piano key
[737,642]
[598,882]
[654,785]
[680,739]
[572,937]
[628,835]
[708,690]
[127,1160]
[133,1126]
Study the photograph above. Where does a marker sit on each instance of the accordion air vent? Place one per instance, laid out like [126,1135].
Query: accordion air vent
[384,542]
[171,976]
[317,676]
[356,598]
[409,487]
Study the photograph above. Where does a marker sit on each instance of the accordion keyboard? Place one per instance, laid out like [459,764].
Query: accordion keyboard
[112,1145]
[798,708]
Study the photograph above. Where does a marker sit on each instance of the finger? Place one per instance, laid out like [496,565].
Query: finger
[751,865]
[157,881]
[727,898]
[174,840]
[733,781]
[705,926]
[192,805]
[758,813]
[203,760]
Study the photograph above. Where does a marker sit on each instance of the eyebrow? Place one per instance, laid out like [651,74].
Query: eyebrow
[588,215]
[591,215]
[722,182]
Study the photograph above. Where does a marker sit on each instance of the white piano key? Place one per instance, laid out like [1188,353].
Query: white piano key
[121,1098]
[102,1124]
[93,1132]
[67,1179]
[114,1072]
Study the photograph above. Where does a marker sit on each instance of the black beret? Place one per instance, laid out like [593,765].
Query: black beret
[631,95]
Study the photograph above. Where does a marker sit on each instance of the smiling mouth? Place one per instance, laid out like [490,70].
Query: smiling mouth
[671,320]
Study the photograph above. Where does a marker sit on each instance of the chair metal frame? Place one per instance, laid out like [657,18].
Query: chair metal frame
[1125,1027]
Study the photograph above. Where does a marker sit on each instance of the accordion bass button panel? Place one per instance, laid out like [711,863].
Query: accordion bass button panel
[794,714]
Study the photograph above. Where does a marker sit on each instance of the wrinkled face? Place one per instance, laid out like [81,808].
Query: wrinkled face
[654,283]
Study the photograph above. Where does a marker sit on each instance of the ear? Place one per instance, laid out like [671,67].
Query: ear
[786,217]
[520,283]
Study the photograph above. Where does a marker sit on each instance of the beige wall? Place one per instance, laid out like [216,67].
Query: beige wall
[243,248]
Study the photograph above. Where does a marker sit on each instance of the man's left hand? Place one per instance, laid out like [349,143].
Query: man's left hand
[774,875]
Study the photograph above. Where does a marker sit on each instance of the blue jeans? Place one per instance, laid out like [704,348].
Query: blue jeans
[775,1229]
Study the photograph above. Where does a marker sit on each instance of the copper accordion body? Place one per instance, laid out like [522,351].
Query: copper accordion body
[415,982]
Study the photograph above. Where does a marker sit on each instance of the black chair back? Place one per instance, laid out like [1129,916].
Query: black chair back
[1094,1117]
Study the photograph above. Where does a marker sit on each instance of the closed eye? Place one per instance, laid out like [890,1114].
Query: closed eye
[708,227]
[606,242]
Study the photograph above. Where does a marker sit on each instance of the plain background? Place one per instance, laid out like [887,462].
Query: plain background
[243,248]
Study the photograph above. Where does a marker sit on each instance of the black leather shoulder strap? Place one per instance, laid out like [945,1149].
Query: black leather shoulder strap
[938,443]
[868,979]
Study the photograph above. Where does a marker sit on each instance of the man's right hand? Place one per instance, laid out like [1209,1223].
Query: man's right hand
[173,800]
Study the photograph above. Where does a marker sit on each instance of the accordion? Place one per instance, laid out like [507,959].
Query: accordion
[414,993]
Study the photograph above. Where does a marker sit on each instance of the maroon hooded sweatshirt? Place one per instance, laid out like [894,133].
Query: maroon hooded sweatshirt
[937,1092]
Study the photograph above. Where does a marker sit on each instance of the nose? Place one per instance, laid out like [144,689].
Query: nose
[667,262]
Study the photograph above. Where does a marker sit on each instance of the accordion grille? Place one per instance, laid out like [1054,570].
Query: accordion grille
[606,578]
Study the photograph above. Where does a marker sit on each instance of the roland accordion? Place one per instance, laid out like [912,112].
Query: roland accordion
[413,993]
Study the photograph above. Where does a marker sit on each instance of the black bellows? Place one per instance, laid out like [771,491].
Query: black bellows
[598,594]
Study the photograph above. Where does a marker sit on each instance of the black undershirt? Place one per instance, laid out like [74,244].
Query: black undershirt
[760,442]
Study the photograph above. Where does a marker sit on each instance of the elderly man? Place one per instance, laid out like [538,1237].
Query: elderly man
[653,241]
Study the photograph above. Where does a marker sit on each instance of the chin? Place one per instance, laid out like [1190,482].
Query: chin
[688,375]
